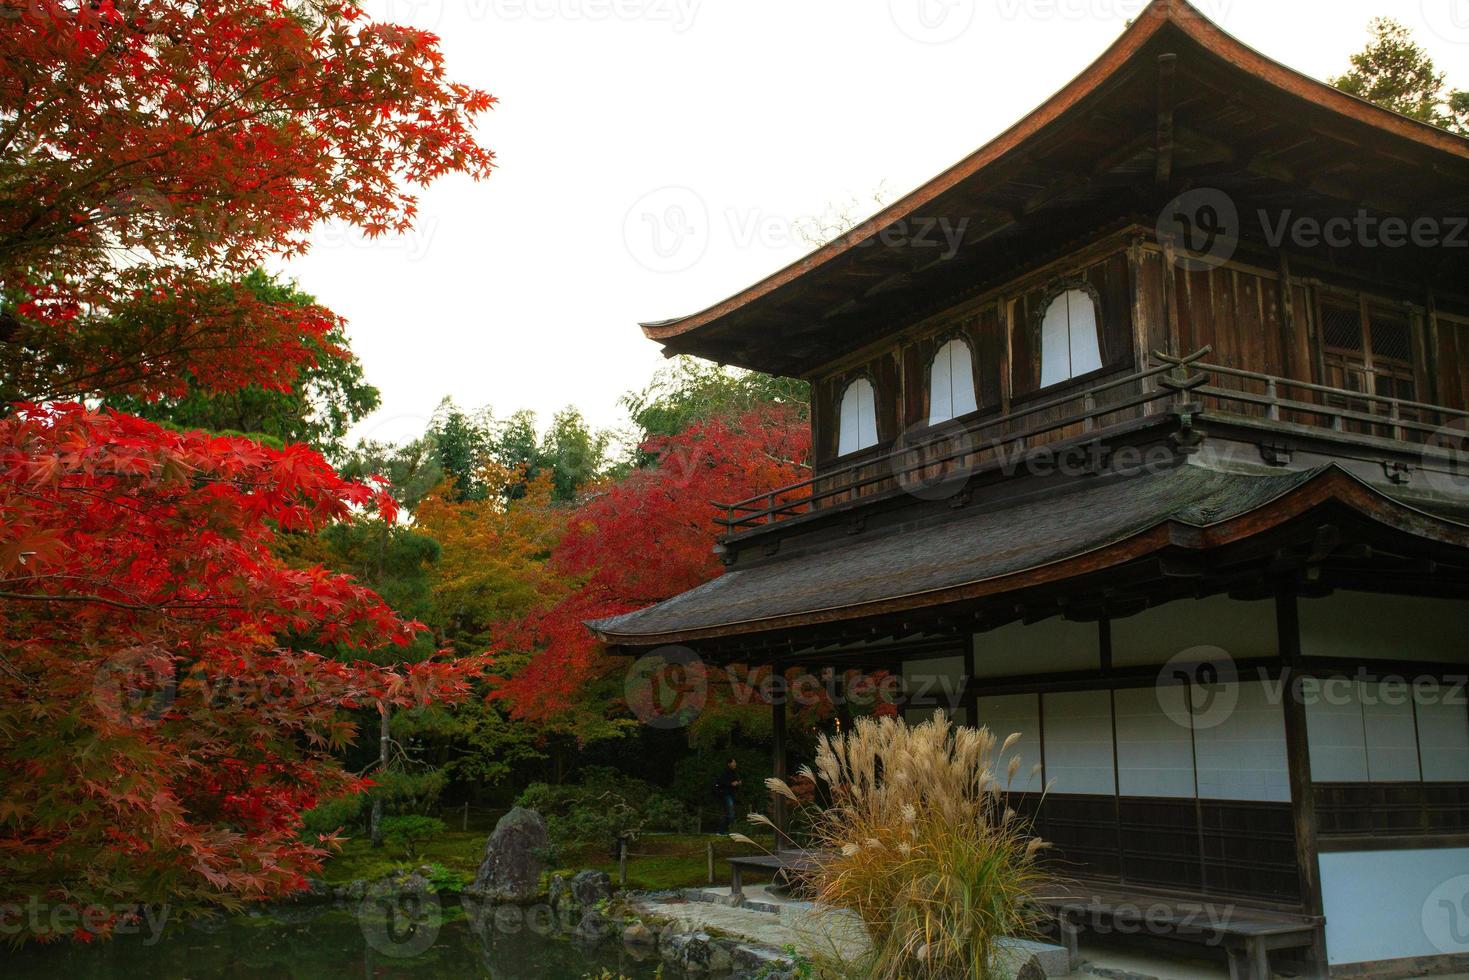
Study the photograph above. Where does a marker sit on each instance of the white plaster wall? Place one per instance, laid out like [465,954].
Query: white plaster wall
[1053,645]
[1387,905]
[1246,630]
[1385,627]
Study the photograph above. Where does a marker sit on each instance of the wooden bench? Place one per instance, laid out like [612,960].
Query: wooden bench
[774,863]
[1247,933]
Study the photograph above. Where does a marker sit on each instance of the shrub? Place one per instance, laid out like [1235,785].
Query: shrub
[924,846]
[409,832]
[402,793]
[338,813]
[604,806]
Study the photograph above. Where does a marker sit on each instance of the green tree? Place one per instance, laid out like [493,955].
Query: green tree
[573,452]
[1396,72]
[689,390]
[330,397]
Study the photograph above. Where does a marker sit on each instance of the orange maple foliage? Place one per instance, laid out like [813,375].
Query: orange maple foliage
[639,541]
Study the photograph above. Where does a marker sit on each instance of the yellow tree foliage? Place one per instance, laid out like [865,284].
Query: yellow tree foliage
[493,553]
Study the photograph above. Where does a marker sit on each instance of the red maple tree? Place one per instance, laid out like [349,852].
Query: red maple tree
[641,540]
[152,152]
[162,732]
[170,690]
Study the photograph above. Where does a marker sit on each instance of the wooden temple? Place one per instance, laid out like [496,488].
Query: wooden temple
[1164,468]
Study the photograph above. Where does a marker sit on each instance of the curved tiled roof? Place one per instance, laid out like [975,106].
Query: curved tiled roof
[1018,545]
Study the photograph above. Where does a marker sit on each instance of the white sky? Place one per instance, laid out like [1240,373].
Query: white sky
[722,120]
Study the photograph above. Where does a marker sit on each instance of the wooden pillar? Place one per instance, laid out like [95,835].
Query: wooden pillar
[778,752]
[1298,758]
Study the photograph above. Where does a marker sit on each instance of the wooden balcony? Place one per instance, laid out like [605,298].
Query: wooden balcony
[936,461]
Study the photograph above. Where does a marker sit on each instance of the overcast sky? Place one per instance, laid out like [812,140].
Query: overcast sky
[654,154]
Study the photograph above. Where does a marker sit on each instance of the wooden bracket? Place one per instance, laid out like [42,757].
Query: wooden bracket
[1399,473]
[1276,454]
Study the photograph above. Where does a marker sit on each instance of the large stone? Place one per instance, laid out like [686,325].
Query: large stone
[590,888]
[595,926]
[514,858]
[1026,959]
[639,936]
[696,952]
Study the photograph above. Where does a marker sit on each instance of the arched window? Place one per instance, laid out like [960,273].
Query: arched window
[1070,345]
[951,383]
[858,418]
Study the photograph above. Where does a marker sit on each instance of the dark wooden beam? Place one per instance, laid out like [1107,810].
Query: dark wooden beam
[1298,758]
[778,760]
[1167,75]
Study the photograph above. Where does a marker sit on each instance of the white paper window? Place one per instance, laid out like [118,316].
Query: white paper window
[1243,757]
[1334,731]
[1392,735]
[1078,743]
[858,418]
[1386,732]
[1006,715]
[951,391]
[1443,733]
[1155,754]
[1070,344]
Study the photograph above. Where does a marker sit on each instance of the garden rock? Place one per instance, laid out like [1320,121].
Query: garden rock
[761,961]
[595,926]
[514,857]
[696,952]
[639,936]
[1026,959]
[591,887]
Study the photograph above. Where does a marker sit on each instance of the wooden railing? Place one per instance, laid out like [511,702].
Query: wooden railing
[931,456]
[1337,409]
[946,455]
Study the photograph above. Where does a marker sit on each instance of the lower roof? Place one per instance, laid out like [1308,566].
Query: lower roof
[1019,544]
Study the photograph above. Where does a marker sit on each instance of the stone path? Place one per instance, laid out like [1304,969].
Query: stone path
[781,923]
[768,920]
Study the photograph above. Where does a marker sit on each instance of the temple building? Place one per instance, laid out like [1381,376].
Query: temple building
[1164,468]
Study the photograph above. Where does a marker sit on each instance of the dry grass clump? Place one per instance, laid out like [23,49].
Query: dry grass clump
[923,845]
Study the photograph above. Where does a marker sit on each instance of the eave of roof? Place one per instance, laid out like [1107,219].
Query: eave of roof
[1156,17]
[1014,548]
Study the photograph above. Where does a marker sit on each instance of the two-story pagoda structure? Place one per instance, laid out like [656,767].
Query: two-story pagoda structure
[1164,470]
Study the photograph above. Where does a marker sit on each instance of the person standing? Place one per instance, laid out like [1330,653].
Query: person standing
[725,790]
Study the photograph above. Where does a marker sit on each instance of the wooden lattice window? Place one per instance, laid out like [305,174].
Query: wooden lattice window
[1367,349]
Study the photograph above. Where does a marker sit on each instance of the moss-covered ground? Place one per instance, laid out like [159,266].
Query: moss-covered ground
[655,862]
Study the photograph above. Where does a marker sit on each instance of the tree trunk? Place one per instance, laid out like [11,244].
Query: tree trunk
[385,737]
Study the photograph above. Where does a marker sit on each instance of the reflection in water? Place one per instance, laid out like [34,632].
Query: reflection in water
[335,941]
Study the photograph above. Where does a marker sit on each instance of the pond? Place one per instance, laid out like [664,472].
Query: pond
[336,941]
